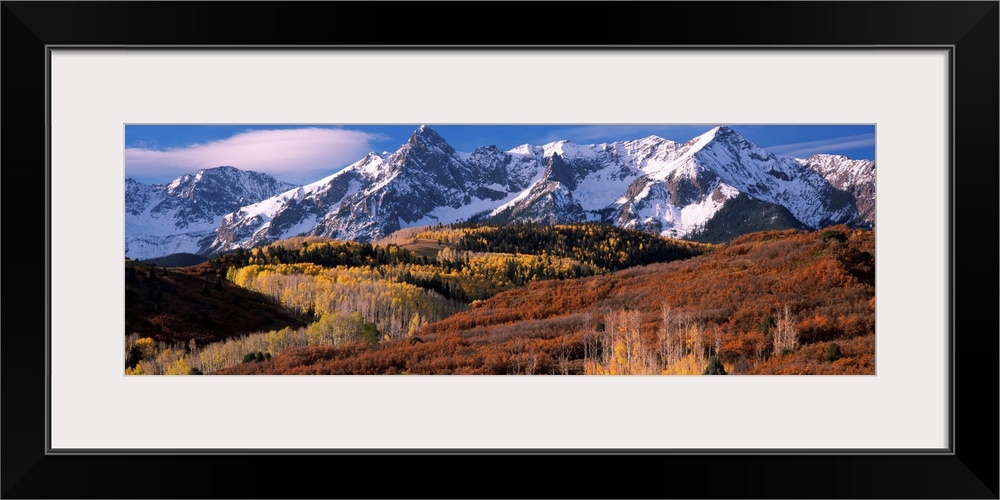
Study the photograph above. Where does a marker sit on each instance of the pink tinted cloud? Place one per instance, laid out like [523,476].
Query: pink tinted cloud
[298,155]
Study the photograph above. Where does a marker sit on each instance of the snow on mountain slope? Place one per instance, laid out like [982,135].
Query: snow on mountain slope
[658,185]
[579,183]
[162,219]
[651,184]
[722,155]
[856,177]
[293,212]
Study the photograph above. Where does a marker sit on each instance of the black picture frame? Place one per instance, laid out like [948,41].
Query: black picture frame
[968,470]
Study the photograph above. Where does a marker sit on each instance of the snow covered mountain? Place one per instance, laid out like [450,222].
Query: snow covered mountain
[856,177]
[161,219]
[652,184]
[680,194]
[424,182]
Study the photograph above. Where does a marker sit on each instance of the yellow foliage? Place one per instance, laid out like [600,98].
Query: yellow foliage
[146,348]
[688,365]
[179,367]
[627,355]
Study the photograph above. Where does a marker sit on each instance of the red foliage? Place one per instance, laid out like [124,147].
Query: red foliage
[827,285]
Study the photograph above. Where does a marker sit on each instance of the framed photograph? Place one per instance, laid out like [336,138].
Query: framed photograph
[853,391]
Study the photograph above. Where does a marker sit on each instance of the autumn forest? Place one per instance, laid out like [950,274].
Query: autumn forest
[518,299]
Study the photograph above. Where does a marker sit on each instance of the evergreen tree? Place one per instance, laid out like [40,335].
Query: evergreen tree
[714,367]
[832,352]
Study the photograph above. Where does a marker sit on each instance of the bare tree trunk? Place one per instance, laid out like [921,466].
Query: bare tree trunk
[786,337]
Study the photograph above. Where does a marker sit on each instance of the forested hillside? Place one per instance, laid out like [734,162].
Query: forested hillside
[787,302]
[172,309]
[382,293]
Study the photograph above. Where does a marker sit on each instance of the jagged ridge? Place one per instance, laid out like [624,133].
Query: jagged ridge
[651,184]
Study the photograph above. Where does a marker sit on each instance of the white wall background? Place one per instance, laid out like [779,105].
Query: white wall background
[94,93]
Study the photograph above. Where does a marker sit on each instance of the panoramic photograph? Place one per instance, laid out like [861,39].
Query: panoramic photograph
[442,249]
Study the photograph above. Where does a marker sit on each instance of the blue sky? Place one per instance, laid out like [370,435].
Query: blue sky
[305,153]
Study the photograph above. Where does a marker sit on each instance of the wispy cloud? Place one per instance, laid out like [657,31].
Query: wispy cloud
[295,155]
[804,149]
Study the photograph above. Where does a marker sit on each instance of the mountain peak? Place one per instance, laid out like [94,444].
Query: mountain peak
[650,183]
[424,133]
[721,132]
[827,157]
[424,140]
[221,168]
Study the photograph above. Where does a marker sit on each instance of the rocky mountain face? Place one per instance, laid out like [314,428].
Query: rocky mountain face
[681,194]
[855,177]
[651,184]
[162,219]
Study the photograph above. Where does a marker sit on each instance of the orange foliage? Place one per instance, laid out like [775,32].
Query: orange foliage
[728,296]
